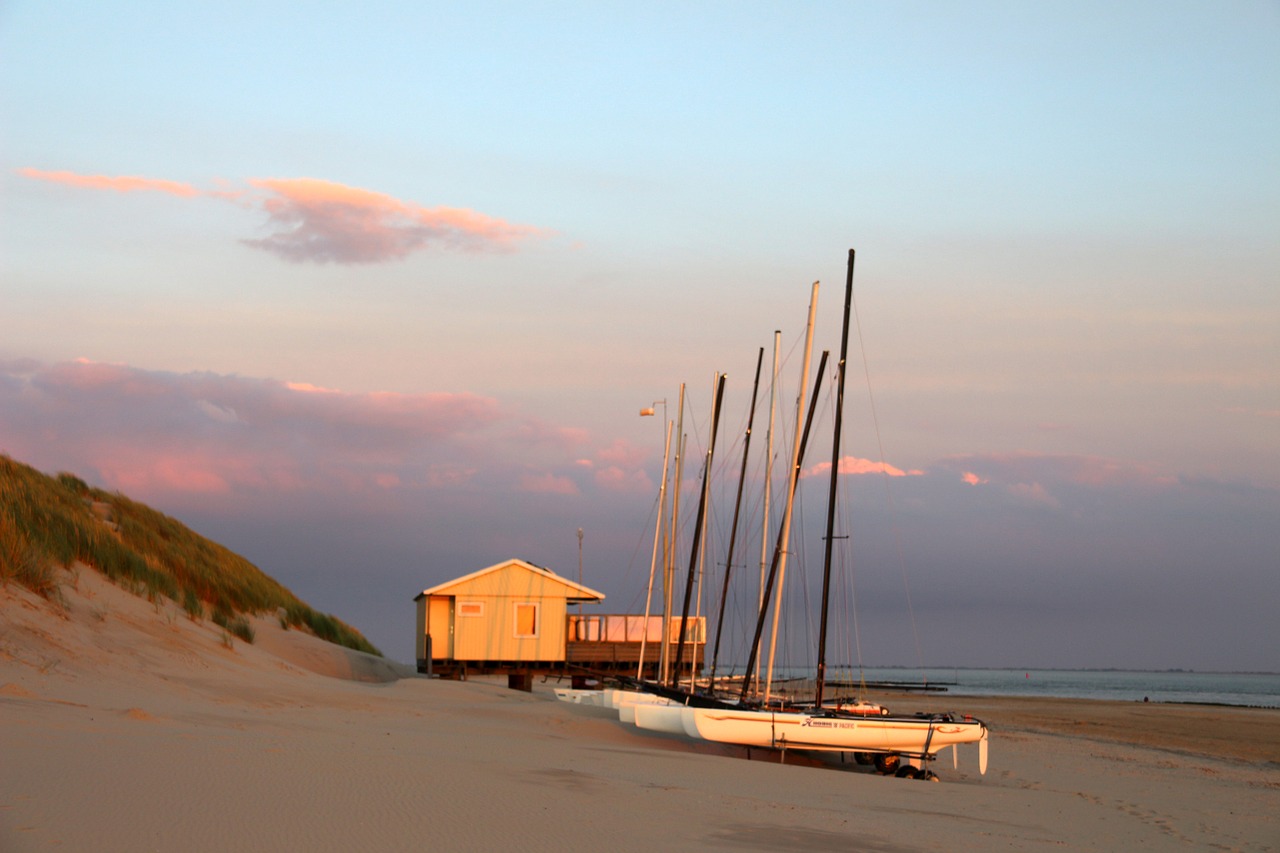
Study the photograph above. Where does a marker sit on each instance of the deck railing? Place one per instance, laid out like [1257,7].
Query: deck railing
[626,628]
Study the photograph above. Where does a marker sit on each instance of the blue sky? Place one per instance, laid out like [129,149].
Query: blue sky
[373,293]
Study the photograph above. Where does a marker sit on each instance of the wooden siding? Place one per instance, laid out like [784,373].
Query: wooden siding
[511,611]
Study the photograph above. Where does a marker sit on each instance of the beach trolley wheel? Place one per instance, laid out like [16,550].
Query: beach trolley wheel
[863,758]
[906,771]
[887,763]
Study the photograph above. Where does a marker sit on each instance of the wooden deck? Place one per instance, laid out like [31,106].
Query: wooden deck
[601,657]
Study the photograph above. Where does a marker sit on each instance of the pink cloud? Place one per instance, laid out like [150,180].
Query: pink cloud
[327,222]
[1025,467]
[548,484]
[623,453]
[122,184]
[211,440]
[200,433]
[617,479]
[318,221]
[445,476]
[166,471]
[856,465]
[1034,493]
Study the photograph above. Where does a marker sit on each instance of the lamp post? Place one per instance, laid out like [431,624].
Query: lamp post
[579,566]
[657,530]
[648,411]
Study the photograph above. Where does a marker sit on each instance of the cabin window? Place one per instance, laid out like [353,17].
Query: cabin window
[470,608]
[526,614]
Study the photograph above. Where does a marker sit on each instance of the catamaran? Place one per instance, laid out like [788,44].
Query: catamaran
[869,731]
[897,743]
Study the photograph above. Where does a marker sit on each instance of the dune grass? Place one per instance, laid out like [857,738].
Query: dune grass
[47,522]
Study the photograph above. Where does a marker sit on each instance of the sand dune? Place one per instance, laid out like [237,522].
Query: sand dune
[124,726]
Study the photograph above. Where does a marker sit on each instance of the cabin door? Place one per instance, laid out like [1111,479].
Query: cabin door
[441,622]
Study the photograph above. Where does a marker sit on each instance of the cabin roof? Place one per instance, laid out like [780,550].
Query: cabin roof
[574,592]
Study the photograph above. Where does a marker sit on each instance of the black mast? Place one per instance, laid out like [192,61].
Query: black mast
[737,505]
[697,534]
[831,497]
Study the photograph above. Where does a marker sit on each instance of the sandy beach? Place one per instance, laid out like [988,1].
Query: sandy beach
[125,726]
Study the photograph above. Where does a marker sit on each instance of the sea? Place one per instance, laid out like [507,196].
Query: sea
[1247,689]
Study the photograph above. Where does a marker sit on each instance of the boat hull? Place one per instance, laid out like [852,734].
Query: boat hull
[912,736]
[661,718]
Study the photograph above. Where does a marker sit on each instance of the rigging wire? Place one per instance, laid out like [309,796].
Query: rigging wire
[884,472]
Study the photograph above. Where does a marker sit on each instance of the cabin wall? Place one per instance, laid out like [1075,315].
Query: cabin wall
[509,628]
[512,613]
[420,641]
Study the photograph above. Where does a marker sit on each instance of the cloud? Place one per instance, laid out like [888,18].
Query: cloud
[325,222]
[210,437]
[153,433]
[1027,469]
[123,184]
[856,465]
[1034,493]
[318,221]
[548,484]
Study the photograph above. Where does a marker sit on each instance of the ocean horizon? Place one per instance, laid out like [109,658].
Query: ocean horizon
[1244,689]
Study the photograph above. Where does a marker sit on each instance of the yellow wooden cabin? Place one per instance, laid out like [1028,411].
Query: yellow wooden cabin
[510,615]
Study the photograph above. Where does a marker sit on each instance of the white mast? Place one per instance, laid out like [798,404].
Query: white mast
[791,488]
[768,478]
[653,563]
[668,564]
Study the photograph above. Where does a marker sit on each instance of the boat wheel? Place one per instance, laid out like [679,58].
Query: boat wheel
[863,758]
[887,764]
[906,771]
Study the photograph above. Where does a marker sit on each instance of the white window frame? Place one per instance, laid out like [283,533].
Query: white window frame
[478,612]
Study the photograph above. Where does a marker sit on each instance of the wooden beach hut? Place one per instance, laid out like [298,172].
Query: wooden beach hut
[508,617]
[513,619]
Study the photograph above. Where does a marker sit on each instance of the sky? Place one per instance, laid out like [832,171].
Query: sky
[373,295]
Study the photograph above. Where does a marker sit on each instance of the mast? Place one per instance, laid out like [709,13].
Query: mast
[653,562]
[795,478]
[697,530]
[668,557]
[831,495]
[702,565]
[733,528]
[768,477]
[785,529]
[778,550]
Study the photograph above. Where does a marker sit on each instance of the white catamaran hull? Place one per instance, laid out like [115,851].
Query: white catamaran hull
[912,736]
[662,718]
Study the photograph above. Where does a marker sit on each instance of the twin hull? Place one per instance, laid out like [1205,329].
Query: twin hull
[907,735]
[915,737]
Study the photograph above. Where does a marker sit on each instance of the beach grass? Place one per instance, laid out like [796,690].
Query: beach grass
[51,522]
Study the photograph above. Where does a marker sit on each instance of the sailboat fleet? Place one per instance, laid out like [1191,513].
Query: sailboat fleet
[902,744]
